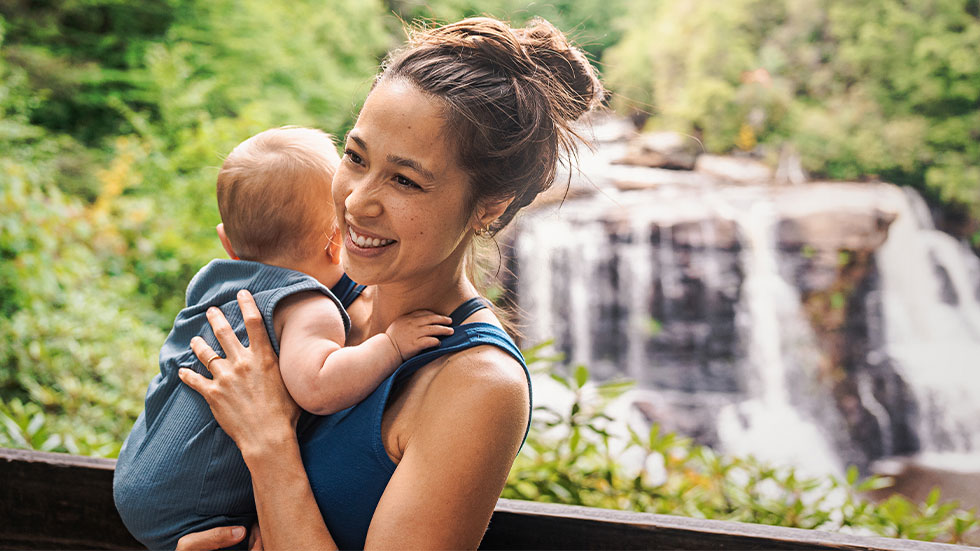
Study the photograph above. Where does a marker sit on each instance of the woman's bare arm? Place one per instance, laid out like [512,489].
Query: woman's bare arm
[471,424]
[288,513]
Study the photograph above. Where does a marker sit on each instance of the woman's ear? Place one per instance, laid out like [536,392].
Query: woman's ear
[333,246]
[223,237]
[488,211]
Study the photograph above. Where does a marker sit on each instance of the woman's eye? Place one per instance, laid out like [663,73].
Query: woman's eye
[405,182]
[353,156]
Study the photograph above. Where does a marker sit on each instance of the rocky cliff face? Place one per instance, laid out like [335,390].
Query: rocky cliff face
[722,293]
[830,258]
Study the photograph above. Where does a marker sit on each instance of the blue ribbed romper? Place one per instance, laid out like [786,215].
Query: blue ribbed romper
[178,471]
[343,453]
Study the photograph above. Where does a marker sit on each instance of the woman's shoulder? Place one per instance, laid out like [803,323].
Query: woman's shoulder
[479,377]
[485,363]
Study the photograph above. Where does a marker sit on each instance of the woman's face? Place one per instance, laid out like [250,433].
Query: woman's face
[401,198]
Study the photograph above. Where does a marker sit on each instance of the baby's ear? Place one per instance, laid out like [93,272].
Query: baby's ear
[333,246]
[223,237]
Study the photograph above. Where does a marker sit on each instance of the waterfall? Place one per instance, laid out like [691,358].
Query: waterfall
[768,425]
[931,325]
[679,282]
[650,285]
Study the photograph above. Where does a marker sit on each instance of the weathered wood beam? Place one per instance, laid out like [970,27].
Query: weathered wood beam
[531,525]
[59,501]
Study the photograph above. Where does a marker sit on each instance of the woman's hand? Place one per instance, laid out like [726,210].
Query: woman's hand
[246,393]
[220,538]
[209,540]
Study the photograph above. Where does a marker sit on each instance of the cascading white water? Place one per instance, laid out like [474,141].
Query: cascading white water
[563,257]
[768,425]
[931,314]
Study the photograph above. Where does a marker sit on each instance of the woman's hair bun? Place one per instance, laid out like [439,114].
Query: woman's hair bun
[537,51]
[578,89]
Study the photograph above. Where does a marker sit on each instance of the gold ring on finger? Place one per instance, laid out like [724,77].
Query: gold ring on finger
[207,364]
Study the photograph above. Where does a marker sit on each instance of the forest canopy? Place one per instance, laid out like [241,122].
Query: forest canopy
[871,90]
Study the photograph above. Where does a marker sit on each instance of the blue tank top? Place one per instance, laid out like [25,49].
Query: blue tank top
[343,453]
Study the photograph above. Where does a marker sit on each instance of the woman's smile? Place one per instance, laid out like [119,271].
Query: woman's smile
[363,243]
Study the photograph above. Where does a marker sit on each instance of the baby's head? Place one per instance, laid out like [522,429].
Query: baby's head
[274,195]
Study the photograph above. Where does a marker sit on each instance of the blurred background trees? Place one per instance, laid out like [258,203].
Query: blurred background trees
[884,89]
[114,118]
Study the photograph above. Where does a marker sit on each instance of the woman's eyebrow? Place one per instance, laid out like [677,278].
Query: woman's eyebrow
[412,164]
[358,141]
[396,159]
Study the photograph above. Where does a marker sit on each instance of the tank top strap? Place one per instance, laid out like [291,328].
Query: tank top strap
[347,290]
[467,309]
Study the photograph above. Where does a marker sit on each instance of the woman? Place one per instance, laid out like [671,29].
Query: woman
[463,128]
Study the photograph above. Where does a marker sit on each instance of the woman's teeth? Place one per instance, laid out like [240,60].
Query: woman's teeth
[369,242]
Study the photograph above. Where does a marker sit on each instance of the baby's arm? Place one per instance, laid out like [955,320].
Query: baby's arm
[325,378]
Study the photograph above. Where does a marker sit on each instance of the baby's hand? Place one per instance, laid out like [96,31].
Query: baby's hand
[414,332]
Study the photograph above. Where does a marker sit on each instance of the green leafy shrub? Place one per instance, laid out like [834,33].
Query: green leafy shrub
[593,24]
[75,347]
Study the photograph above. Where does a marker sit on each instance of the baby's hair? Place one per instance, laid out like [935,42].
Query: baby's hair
[267,188]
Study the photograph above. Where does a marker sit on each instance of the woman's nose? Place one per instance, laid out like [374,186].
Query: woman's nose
[363,201]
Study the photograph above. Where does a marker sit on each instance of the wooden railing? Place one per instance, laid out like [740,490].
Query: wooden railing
[58,501]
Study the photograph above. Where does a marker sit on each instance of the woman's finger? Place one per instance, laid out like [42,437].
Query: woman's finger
[224,333]
[208,540]
[203,351]
[195,380]
[258,338]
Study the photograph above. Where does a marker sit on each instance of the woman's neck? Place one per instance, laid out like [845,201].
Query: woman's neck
[440,293]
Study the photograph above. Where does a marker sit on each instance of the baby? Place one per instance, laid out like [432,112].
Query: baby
[178,472]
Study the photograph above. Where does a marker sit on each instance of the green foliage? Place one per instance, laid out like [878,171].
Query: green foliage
[73,341]
[570,457]
[592,24]
[171,98]
[76,54]
[883,88]
[113,120]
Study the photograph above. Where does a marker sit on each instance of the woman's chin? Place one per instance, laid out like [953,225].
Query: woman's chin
[364,264]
